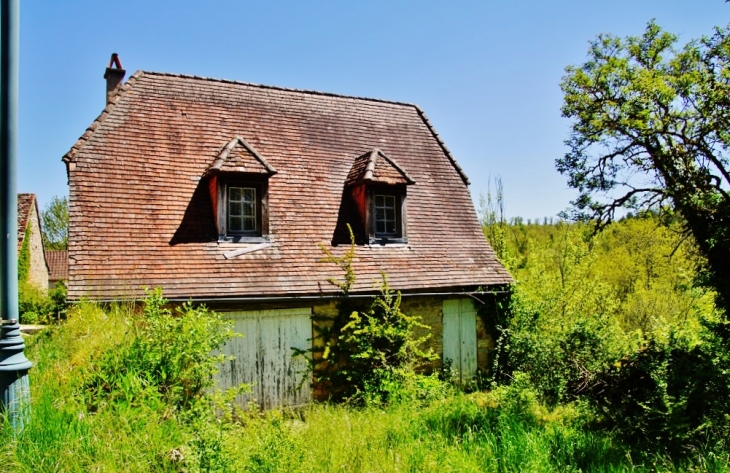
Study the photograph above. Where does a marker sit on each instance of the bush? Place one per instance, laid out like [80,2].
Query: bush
[164,361]
[671,395]
[35,307]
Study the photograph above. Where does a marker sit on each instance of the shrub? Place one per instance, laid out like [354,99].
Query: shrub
[370,354]
[164,361]
[35,307]
[671,395]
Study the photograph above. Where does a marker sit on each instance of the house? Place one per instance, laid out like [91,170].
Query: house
[32,266]
[57,267]
[221,192]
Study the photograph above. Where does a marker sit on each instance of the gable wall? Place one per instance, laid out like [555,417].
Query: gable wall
[38,271]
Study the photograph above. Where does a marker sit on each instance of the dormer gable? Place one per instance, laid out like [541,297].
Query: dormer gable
[238,185]
[239,156]
[376,185]
[374,167]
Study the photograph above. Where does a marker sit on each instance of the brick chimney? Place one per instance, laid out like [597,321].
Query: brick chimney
[114,76]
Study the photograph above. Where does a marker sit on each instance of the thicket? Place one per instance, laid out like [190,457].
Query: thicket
[371,351]
[35,306]
[135,425]
[620,321]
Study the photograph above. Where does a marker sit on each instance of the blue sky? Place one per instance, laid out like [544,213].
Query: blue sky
[486,73]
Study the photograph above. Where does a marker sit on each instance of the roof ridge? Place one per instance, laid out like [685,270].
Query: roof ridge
[277,87]
[84,138]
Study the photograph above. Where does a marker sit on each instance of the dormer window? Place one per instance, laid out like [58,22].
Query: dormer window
[238,184]
[242,210]
[378,189]
[385,216]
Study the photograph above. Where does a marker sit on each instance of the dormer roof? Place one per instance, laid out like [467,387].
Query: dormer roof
[239,156]
[374,167]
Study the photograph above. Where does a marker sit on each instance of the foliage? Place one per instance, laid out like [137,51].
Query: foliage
[615,320]
[165,360]
[24,256]
[507,429]
[55,224]
[670,394]
[650,130]
[35,307]
[370,353]
[493,220]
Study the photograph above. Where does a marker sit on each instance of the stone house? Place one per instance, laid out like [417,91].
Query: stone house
[31,254]
[222,192]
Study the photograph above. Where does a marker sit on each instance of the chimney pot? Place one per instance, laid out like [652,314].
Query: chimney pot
[114,76]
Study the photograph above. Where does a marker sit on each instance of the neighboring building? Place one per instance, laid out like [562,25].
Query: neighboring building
[57,266]
[222,192]
[30,235]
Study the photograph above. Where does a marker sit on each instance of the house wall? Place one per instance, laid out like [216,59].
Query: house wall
[38,270]
[428,308]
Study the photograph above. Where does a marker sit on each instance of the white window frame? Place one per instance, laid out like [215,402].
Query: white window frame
[255,217]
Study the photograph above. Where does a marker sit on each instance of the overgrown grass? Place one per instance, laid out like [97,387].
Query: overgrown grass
[505,430]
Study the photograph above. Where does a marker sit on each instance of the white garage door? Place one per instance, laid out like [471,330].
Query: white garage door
[264,357]
[460,338]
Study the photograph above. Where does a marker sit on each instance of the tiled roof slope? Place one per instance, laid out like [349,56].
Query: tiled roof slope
[141,216]
[57,264]
[25,205]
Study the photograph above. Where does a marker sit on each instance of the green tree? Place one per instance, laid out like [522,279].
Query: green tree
[651,130]
[55,224]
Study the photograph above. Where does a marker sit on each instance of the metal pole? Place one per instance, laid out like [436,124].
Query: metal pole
[14,366]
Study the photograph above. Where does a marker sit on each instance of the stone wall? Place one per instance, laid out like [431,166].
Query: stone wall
[38,270]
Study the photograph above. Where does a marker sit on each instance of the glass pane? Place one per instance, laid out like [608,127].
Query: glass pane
[235,224]
[234,209]
[379,214]
[234,193]
[379,226]
[249,195]
[249,224]
[249,210]
[390,214]
[390,227]
[379,200]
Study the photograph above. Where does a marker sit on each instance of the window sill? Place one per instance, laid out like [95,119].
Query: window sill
[384,241]
[243,239]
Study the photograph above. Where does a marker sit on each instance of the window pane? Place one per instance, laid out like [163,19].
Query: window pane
[234,194]
[235,224]
[386,221]
[390,227]
[234,209]
[242,209]
[249,224]
[249,194]
[379,214]
[249,209]
[390,214]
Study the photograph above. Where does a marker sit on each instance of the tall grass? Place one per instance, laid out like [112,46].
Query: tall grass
[502,431]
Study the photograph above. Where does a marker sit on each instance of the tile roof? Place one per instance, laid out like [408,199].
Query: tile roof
[375,167]
[26,202]
[141,214]
[57,264]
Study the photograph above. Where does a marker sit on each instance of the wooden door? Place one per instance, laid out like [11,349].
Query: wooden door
[264,357]
[460,338]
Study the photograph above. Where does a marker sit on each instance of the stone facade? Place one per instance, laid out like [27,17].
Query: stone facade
[29,227]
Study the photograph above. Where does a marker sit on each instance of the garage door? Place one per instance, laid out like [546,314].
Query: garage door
[264,357]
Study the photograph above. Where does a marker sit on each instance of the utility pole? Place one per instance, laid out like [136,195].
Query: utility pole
[14,366]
